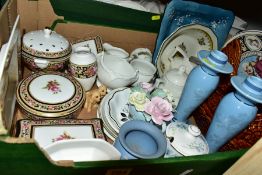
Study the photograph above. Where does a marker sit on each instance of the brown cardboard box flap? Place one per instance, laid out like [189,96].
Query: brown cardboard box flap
[9,67]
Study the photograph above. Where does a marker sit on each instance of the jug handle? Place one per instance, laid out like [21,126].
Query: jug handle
[100,59]
[158,81]
[135,78]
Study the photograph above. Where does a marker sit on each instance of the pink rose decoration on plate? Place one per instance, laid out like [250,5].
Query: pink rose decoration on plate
[159,109]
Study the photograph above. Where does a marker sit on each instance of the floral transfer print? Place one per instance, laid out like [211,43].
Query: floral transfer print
[53,65]
[53,86]
[253,67]
[64,136]
[83,71]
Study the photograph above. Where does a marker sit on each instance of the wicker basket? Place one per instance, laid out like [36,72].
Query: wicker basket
[204,114]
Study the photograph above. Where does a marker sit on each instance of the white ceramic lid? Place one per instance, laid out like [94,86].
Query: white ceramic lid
[50,94]
[177,76]
[46,43]
[51,89]
[82,56]
[187,139]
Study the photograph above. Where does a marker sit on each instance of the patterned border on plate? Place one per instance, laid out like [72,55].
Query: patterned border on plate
[35,107]
[97,39]
[25,127]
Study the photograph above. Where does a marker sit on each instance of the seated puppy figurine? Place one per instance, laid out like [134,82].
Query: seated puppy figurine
[94,96]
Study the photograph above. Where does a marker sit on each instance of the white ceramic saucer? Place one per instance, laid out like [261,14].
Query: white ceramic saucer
[113,110]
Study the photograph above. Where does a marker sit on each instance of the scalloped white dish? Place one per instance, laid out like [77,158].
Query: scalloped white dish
[82,150]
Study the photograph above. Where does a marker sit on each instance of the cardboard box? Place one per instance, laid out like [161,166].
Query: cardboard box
[19,156]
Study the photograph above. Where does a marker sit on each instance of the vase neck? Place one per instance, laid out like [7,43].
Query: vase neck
[244,99]
[208,70]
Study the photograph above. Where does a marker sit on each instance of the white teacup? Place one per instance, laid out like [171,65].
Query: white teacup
[141,53]
[146,70]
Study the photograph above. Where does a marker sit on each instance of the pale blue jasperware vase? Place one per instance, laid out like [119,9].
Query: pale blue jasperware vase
[235,111]
[201,82]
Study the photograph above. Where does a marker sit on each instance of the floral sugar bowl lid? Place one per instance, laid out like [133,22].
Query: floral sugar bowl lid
[45,49]
[186,139]
[50,95]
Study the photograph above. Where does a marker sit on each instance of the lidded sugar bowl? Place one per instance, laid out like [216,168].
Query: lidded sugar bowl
[185,140]
[173,80]
[45,50]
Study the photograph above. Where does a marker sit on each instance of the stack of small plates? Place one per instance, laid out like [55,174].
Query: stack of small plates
[113,110]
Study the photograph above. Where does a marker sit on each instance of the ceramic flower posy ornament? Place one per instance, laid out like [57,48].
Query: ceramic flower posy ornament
[152,102]
[138,99]
[160,110]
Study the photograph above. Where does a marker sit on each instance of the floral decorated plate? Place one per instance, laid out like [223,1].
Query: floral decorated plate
[185,42]
[48,131]
[50,95]
[81,150]
[245,52]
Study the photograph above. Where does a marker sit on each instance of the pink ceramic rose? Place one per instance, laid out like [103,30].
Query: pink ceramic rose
[159,109]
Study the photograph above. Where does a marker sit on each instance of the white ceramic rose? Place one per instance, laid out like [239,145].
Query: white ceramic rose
[138,99]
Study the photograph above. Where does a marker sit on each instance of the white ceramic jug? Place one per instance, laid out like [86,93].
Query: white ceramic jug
[115,72]
[83,66]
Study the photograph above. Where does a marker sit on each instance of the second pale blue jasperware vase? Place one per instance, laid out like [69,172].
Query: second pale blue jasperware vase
[235,111]
[201,82]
